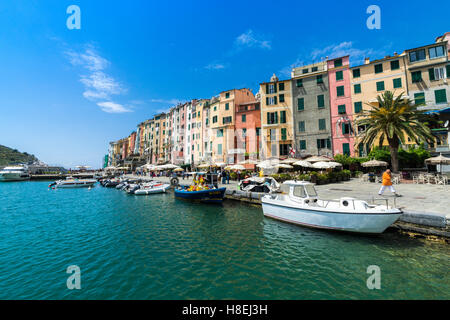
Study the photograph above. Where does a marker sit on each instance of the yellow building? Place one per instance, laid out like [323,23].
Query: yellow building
[222,111]
[277,122]
[370,80]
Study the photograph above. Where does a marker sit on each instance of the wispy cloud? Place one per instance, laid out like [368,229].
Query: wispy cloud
[250,40]
[215,66]
[112,107]
[166,101]
[97,83]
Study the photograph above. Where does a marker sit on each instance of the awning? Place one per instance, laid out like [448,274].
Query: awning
[446,110]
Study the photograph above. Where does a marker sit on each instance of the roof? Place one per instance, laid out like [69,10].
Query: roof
[428,45]
[297,183]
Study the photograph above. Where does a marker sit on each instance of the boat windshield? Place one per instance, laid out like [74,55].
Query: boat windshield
[311,190]
[299,191]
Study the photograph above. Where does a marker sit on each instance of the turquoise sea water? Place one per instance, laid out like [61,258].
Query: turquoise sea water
[157,247]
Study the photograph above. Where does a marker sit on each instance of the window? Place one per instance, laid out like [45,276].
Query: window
[339,75]
[284,149]
[219,148]
[323,143]
[440,96]
[258,132]
[379,68]
[283,134]
[301,126]
[281,97]
[314,69]
[215,108]
[346,149]
[397,83]
[357,88]
[300,104]
[319,79]
[380,85]
[214,119]
[417,55]
[419,98]
[271,88]
[227,95]
[448,71]
[395,64]
[299,83]
[272,117]
[302,144]
[271,100]
[273,134]
[346,128]
[436,73]
[436,52]
[281,86]
[282,116]
[356,73]
[244,132]
[416,76]
[340,91]
[358,106]
[305,71]
[226,120]
[338,63]
[341,109]
[227,106]
[320,101]
[322,125]
[244,118]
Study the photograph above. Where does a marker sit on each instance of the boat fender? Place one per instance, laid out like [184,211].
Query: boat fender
[345,203]
[174,181]
[306,201]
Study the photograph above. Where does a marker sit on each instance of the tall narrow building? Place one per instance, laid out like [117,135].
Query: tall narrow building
[312,123]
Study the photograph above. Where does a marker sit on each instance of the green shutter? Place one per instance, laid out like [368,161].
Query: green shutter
[275,88]
[322,125]
[340,91]
[299,82]
[440,96]
[356,73]
[275,100]
[318,143]
[346,149]
[431,74]
[341,109]
[416,76]
[301,126]
[397,83]
[339,75]
[319,79]
[281,97]
[379,68]
[282,116]
[267,88]
[357,88]
[276,117]
[321,101]
[302,144]
[244,118]
[395,65]
[419,98]
[300,104]
[338,63]
[380,85]
[358,107]
[283,134]
[268,118]
[448,71]
[328,143]
[281,86]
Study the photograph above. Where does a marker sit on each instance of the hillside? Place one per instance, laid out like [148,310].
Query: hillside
[12,156]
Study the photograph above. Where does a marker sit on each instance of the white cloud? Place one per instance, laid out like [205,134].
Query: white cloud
[250,39]
[166,101]
[215,66]
[112,107]
[97,83]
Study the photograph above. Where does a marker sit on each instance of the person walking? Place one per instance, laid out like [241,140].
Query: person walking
[387,183]
[228,177]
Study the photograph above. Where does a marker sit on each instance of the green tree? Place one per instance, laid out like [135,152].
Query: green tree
[393,119]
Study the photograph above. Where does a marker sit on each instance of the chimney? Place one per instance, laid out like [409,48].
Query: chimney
[395,54]
[366,60]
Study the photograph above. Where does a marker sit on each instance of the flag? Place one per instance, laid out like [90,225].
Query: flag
[292,152]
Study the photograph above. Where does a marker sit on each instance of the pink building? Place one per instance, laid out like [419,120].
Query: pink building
[342,132]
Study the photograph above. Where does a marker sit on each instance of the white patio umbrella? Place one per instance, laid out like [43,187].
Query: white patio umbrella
[169,166]
[285,166]
[289,161]
[321,165]
[220,164]
[178,169]
[237,167]
[334,164]
[204,165]
[439,160]
[248,161]
[317,159]
[303,163]
[374,163]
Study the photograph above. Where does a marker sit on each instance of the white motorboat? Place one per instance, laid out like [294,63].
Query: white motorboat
[73,183]
[14,173]
[152,188]
[299,204]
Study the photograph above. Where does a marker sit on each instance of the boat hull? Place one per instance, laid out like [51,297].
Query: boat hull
[206,196]
[73,185]
[154,190]
[7,177]
[350,222]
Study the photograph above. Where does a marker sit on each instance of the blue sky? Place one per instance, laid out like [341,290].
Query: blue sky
[64,94]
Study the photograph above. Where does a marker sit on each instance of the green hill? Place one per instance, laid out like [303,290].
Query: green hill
[12,156]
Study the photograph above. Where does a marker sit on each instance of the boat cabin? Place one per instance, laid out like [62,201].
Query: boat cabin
[300,191]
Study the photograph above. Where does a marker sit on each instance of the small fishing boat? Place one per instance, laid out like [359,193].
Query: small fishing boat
[73,183]
[299,204]
[152,188]
[202,194]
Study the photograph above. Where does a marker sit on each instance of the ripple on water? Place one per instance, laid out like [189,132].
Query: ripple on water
[157,247]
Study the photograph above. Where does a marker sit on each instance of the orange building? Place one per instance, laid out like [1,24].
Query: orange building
[247,131]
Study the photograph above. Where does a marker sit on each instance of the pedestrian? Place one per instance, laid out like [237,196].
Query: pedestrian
[228,177]
[387,183]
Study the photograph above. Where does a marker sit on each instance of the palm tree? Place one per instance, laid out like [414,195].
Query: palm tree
[393,118]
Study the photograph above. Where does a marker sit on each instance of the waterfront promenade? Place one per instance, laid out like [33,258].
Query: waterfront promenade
[426,207]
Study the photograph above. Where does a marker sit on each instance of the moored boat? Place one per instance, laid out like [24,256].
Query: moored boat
[14,173]
[73,183]
[206,195]
[152,188]
[300,205]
